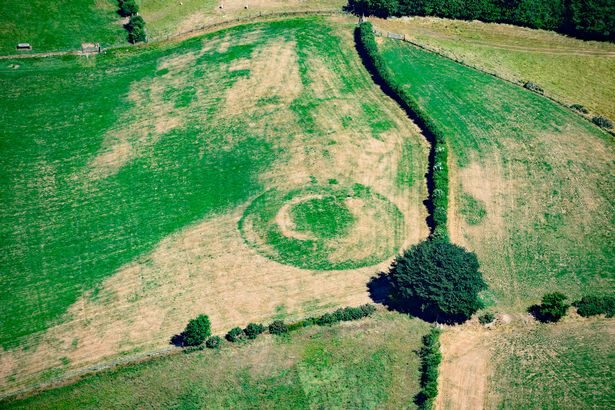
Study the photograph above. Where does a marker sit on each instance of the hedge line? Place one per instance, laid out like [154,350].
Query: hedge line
[430,364]
[437,175]
[278,327]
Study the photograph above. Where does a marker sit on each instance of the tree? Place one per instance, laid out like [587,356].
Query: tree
[253,330]
[552,308]
[128,8]
[197,331]
[235,334]
[378,8]
[213,342]
[438,281]
[136,29]
[592,305]
[278,327]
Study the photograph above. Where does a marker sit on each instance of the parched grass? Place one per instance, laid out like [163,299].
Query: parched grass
[544,175]
[569,70]
[119,213]
[563,366]
[366,364]
[59,26]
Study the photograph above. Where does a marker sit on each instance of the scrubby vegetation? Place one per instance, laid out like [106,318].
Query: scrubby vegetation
[236,334]
[196,331]
[213,342]
[552,308]
[602,122]
[278,327]
[593,305]
[588,19]
[486,318]
[136,29]
[430,363]
[253,330]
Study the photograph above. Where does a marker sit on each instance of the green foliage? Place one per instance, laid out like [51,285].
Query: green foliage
[486,318]
[580,108]
[378,8]
[197,331]
[128,7]
[552,308]
[585,18]
[593,305]
[602,122]
[236,334]
[438,281]
[278,327]
[437,176]
[136,29]
[345,314]
[253,330]
[430,362]
[213,342]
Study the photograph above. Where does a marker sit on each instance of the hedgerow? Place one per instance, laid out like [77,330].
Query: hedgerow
[430,363]
[437,176]
[593,305]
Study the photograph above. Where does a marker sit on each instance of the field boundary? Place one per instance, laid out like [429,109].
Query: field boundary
[403,37]
[194,32]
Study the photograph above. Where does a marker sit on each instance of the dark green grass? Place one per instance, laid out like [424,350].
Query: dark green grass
[59,25]
[366,364]
[564,366]
[325,217]
[550,176]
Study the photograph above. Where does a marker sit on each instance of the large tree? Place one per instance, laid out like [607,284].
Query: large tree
[197,331]
[438,281]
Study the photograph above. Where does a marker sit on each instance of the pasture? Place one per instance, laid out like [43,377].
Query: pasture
[364,364]
[194,182]
[570,70]
[530,181]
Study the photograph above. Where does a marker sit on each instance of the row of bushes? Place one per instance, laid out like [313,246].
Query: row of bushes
[554,307]
[136,24]
[198,330]
[430,363]
[437,176]
[593,19]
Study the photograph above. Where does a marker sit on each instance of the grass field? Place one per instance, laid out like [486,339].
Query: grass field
[58,26]
[366,364]
[570,70]
[121,213]
[538,178]
[567,366]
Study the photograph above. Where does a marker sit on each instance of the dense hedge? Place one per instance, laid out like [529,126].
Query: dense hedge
[430,364]
[437,176]
[592,19]
[595,305]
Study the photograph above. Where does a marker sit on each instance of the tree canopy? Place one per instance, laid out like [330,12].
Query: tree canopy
[438,281]
[197,331]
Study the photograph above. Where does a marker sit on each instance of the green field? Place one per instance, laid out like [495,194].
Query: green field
[366,364]
[59,26]
[531,182]
[570,70]
[120,214]
[567,366]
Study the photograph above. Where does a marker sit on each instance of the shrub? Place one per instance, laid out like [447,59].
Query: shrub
[197,331]
[128,8]
[235,335]
[278,327]
[602,122]
[437,281]
[552,308]
[213,342]
[593,305]
[533,87]
[253,330]
[345,314]
[580,108]
[136,29]
[486,318]
[430,362]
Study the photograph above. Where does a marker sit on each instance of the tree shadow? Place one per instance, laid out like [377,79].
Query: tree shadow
[379,288]
[177,340]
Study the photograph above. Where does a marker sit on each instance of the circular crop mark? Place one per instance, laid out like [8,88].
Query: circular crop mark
[323,227]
